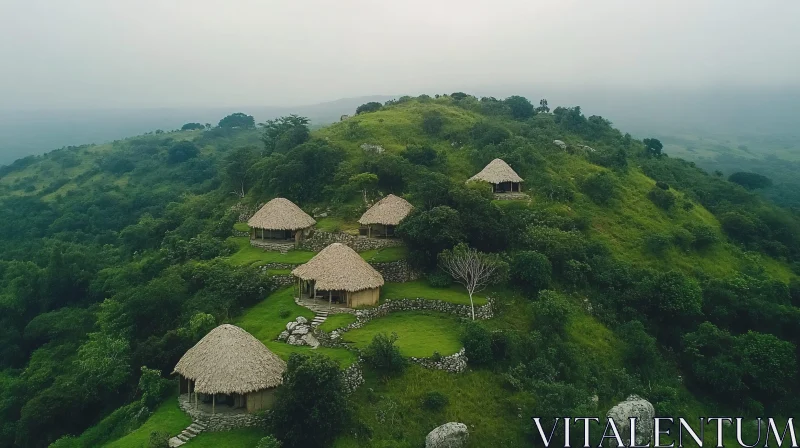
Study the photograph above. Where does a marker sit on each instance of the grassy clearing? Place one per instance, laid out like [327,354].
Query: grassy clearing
[393,409]
[167,418]
[264,321]
[385,255]
[279,271]
[331,224]
[420,334]
[249,255]
[335,321]
[241,227]
[238,438]
[421,289]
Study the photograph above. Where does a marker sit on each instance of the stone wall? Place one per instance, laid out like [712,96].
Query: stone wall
[220,421]
[240,233]
[283,280]
[397,271]
[352,377]
[455,363]
[320,240]
[278,246]
[515,196]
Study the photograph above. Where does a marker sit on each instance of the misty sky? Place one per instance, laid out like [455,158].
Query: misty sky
[175,53]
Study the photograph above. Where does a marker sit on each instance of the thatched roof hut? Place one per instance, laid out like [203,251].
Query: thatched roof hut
[229,360]
[497,171]
[280,214]
[340,268]
[389,211]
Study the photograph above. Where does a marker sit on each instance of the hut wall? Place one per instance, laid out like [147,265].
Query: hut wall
[262,399]
[364,297]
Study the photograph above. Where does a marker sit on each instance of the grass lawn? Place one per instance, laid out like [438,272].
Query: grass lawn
[419,333]
[393,409]
[241,227]
[264,321]
[279,271]
[331,224]
[335,321]
[421,289]
[249,255]
[167,418]
[238,438]
[385,255]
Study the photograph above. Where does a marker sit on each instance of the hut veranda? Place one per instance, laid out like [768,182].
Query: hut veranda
[230,367]
[280,220]
[501,176]
[339,275]
[381,219]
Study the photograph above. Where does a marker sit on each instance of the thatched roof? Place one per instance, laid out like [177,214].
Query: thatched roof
[497,171]
[388,211]
[339,268]
[280,214]
[230,360]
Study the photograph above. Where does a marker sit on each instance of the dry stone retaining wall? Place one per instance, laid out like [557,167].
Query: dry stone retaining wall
[397,271]
[455,363]
[221,421]
[320,240]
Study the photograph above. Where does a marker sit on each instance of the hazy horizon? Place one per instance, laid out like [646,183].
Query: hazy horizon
[93,54]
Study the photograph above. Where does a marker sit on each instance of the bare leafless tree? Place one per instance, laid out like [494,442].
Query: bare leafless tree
[472,269]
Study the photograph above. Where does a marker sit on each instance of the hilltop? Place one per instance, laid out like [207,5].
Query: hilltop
[628,271]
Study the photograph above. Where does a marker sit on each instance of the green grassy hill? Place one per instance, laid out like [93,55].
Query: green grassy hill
[126,251]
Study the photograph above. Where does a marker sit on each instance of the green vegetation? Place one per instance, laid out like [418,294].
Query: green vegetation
[335,321]
[421,289]
[626,266]
[241,227]
[167,418]
[419,334]
[253,256]
[333,224]
[237,438]
[385,255]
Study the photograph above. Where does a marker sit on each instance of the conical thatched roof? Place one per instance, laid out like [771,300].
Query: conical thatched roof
[280,214]
[497,171]
[230,360]
[388,211]
[339,268]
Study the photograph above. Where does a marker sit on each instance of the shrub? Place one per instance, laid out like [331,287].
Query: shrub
[657,243]
[283,314]
[576,272]
[152,387]
[434,401]
[269,442]
[372,106]
[662,198]
[432,123]
[477,343]
[703,235]
[158,439]
[551,312]
[382,355]
[181,152]
[439,279]
[532,270]
[662,185]
[599,187]
[750,181]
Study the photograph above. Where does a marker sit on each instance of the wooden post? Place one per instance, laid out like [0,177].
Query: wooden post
[369,230]
[213,403]
[330,299]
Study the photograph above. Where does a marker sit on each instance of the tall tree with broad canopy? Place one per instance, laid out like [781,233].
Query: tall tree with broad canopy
[238,120]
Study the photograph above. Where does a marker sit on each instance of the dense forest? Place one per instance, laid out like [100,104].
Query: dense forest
[627,271]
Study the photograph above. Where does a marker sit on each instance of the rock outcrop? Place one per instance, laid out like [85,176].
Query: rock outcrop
[634,406]
[449,435]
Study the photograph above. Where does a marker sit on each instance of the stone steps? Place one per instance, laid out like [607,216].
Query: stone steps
[319,318]
[187,434]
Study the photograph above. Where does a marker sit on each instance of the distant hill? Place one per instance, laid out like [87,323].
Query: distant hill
[24,133]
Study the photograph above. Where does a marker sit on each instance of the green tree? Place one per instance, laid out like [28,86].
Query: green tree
[600,187]
[311,407]
[653,147]
[104,362]
[532,270]
[543,107]
[284,133]
[750,181]
[372,106]
[182,151]
[662,198]
[238,164]
[192,127]
[551,313]
[421,155]
[238,120]
[521,108]
[477,343]
[432,122]
[429,232]
[269,442]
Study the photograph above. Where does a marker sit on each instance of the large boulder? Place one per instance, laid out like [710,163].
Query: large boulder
[290,326]
[560,144]
[634,406]
[300,330]
[301,320]
[449,435]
